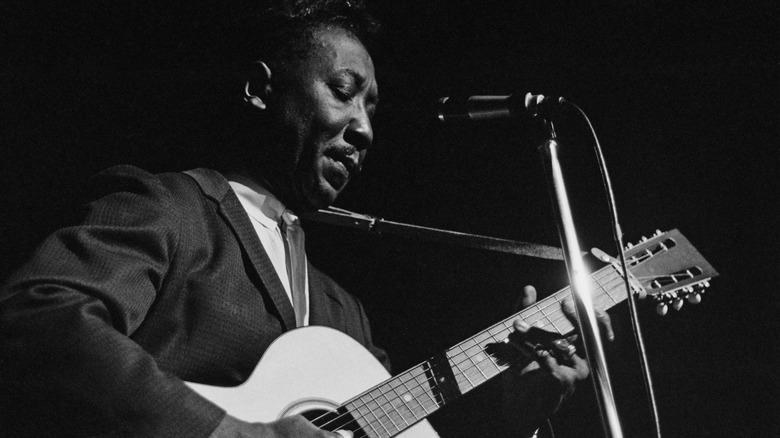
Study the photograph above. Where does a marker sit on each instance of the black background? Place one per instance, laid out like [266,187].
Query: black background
[682,94]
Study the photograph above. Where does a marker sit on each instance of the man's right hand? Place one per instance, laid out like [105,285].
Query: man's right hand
[288,427]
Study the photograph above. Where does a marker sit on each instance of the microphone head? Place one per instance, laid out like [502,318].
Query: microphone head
[477,108]
[454,109]
[539,105]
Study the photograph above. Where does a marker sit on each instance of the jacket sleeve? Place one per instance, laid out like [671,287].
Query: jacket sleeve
[67,317]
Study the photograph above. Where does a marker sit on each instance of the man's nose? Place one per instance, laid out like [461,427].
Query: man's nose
[359,132]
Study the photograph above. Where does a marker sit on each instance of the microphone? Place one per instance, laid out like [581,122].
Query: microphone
[477,108]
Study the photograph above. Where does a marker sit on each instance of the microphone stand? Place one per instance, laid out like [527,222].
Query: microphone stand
[580,286]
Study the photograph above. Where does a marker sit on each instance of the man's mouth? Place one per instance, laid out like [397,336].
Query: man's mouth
[347,156]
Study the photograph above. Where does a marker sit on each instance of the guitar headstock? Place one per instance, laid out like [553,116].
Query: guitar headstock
[668,268]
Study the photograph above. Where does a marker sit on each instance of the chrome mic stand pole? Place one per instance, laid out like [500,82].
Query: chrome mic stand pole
[581,289]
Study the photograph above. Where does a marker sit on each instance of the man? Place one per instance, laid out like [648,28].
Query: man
[184,276]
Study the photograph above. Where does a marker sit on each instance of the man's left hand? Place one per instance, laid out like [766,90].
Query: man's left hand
[539,389]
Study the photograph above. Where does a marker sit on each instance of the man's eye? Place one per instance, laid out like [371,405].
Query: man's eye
[342,93]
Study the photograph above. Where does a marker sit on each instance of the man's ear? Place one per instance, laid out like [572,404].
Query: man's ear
[257,88]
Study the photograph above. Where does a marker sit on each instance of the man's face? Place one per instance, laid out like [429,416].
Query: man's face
[324,105]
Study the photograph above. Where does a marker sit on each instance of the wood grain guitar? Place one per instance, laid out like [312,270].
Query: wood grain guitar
[338,385]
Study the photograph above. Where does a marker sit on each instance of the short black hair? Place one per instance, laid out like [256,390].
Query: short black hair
[279,34]
[283,32]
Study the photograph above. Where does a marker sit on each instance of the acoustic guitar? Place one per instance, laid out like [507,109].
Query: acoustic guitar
[333,381]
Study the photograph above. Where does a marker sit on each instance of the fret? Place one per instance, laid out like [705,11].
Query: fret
[422,390]
[401,403]
[459,374]
[473,373]
[534,319]
[394,405]
[373,407]
[493,368]
[423,385]
[614,286]
[555,326]
[602,302]
[387,422]
[361,412]
[413,395]
[387,406]
[454,359]
[475,356]
[604,283]
[480,338]
[563,325]
[601,284]
[472,362]
[501,331]
[546,316]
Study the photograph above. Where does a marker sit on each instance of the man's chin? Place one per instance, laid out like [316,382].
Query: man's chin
[324,197]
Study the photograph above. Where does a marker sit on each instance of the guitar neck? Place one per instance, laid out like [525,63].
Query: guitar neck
[391,407]
[472,366]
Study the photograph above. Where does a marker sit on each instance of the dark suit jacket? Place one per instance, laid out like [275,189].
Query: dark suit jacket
[164,280]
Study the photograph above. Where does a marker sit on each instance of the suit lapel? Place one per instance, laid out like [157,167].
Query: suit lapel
[324,304]
[318,301]
[215,186]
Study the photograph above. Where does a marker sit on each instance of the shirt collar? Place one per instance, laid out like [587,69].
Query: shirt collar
[261,204]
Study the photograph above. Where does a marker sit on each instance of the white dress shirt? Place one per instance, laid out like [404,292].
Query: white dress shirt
[265,213]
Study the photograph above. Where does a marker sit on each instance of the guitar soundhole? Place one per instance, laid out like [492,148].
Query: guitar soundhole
[333,420]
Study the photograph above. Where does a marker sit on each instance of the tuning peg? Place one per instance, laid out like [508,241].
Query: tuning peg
[643,239]
[657,233]
[677,303]
[705,283]
[694,298]
[630,245]
[661,309]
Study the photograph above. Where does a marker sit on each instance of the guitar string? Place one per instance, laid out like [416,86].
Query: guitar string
[607,287]
[475,369]
[536,310]
[606,290]
[388,417]
[469,351]
[475,365]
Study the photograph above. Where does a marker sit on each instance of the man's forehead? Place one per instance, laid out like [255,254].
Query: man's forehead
[339,50]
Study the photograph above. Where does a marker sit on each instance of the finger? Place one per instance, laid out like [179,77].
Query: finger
[546,360]
[563,349]
[575,369]
[606,323]
[533,365]
[580,367]
[529,296]
[601,316]
[520,326]
[567,305]
[345,433]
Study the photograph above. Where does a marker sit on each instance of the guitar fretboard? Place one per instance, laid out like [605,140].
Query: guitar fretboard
[393,406]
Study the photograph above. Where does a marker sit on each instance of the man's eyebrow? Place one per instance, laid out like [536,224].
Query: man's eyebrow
[360,80]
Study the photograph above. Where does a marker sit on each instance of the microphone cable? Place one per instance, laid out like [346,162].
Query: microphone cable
[618,238]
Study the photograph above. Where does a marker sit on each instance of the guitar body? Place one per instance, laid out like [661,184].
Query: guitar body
[306,369]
